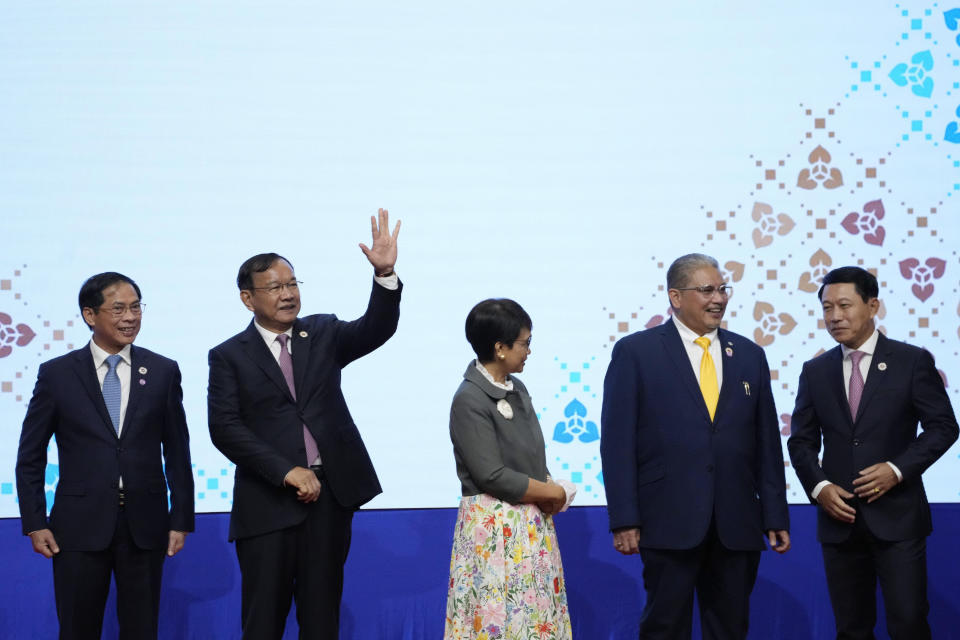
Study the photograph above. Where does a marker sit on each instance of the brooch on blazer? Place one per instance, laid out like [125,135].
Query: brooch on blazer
[882,366]
[303,334]
[142,371]
[729,352]
[746,388]
[505,409]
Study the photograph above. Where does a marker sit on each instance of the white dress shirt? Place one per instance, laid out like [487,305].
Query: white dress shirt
[123,372]
[867,348]
[695,351]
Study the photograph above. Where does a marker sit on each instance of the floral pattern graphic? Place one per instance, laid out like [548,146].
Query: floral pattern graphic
[781,224]
[506,578]
[914,74]
[770,323]
[922,275]
[867,222]
[576,425]
[820,172]
[811,280]
[19,335]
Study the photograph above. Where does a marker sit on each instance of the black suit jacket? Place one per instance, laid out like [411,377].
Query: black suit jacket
[258,425]
[902,388]
[667,468]
[67,403]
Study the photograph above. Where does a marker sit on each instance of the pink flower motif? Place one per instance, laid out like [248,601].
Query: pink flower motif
[493,614]
[922,275]
[529,598]
[19,335]
[873,232]
[785,424]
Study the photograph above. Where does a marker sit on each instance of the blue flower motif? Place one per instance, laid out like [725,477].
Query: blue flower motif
[575,426]
[915,74]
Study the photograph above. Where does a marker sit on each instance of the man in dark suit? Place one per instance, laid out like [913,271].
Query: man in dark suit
[863,400]
[276,410]
[112,408]
[692,462]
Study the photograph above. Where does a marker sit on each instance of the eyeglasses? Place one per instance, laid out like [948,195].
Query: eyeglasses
[707,291]
[275,289]
[118,310]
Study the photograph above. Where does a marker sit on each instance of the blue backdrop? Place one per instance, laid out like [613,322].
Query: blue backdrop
[396,581]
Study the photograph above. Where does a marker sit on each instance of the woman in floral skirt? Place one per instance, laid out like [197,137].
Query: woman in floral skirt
[506,578]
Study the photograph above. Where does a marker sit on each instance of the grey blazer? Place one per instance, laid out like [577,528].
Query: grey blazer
[495,455]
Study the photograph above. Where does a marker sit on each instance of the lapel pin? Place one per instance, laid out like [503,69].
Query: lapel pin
[303,334]
[746,388]
[729,352]
[882,366]
[142,371]
[142,382]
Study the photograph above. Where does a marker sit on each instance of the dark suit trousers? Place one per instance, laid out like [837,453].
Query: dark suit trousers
[81,583]
[852,569]
[721,578]
[303,562]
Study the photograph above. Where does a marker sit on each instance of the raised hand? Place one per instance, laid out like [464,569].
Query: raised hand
[383,254]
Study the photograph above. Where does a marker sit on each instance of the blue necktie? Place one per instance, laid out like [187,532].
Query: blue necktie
[111,391]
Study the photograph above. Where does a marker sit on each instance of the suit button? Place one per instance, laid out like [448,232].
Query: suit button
[709,468]
[856,442]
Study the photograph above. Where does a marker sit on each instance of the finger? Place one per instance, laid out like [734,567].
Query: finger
[365,249]
[396,231]
[844,493]
[373,226]
[384,222]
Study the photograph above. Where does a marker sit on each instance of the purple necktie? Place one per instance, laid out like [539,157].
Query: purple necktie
[856,383]
[286,366]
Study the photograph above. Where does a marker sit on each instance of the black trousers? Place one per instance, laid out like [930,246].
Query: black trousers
[721,578]
[81,584]
[853,568]
[302,563]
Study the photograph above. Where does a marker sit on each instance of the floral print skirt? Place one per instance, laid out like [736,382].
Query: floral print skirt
[506,579]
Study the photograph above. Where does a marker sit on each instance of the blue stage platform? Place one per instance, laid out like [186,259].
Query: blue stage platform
[397,576]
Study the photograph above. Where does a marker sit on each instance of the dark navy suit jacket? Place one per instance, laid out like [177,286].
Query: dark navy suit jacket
[258,425]
[667,468]
[902,389]
[67,403]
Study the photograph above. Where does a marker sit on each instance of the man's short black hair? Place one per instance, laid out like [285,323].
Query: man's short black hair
[863,281]
[492,321]
[91,292]
[257,264]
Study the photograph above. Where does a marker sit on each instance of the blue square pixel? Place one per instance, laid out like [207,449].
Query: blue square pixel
[865,76]
[6,488]
[574,376]
[916,125]
[576,476]
[916,24]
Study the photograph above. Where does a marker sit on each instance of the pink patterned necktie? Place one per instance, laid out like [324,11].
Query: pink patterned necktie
[856,383]
[286,366]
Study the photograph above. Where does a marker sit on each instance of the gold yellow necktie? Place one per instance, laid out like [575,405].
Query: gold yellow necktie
[708,377]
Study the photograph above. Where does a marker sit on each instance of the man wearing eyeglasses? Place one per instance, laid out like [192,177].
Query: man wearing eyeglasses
[692,461]
[277,411]
[122,443]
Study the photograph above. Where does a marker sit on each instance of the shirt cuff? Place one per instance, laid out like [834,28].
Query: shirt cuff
[896,471]
[391,282]
[817,489]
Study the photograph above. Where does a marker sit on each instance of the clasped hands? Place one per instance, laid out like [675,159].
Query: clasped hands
[873,483]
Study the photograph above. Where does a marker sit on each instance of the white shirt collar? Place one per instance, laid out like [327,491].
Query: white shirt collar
[507,386]
[99,355]
[269,336]
[689,335]
[867,347]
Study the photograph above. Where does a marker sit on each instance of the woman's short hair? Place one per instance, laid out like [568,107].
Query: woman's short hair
[492,321]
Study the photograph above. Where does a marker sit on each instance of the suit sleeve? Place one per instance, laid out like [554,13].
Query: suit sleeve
[937,420]
[805,437]
[229,433]
[359,337]
[619,421]
[38,427]
[176,456]
[475,441]
[772,481]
